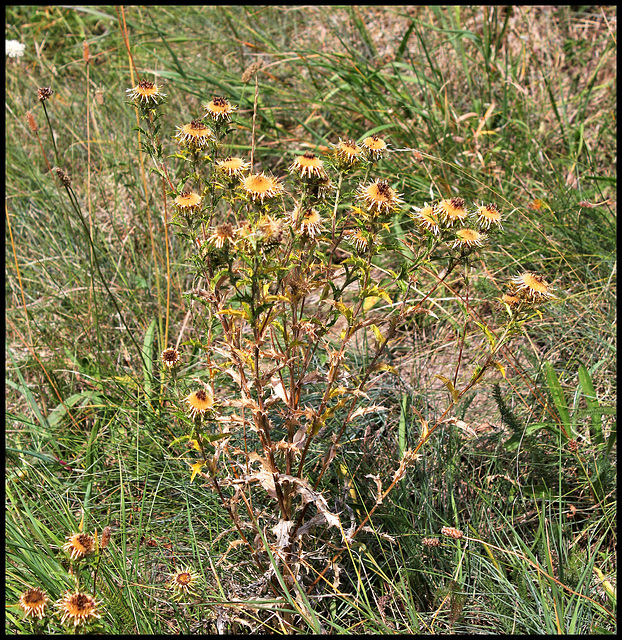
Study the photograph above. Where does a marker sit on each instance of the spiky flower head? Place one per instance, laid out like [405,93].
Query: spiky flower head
[347,153]
[269,232]
[146,93]
[488,215]
[223,235]
[379,197]
[78,608]
[451,211]
[260,187]
[426,217]
[219,109]
[232,167]
[34,602]
[44,93]
[374,146]
[511,300]
[306,221]
[356,238]
[200,401]
[309,166]
[169,357]
[79,545]
[188,201]
[183,581]
[195,135]
[531,287]
[468,238]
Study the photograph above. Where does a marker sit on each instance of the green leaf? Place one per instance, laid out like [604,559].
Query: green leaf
[377,334]
[455,394]
[148,359]
[512,443]
[558,396]
[596,428]
[491,339]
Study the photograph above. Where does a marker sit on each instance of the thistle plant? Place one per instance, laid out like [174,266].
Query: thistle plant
[288,271]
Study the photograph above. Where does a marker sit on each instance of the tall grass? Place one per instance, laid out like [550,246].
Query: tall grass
[512,105]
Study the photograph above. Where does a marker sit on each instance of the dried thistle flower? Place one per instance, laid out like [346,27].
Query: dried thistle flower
[451,211]
[219,109]
[379,197]
[188,201]
[200,401]
[34,602]
[269,232]
[511,300]
[169,357]
[375,147]
[426,217]
[531,288]
[232,167]
[79,545]
[223,234]
[44,93]
[468,238]
[259,186]
[195,135]
[356,238]
[306,222]
[309,166]
[183,581]
[146,93]
[78,608]
[488,215]
[347,153]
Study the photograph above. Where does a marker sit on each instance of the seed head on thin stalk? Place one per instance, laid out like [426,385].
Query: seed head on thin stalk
[44,93]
